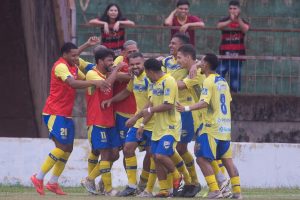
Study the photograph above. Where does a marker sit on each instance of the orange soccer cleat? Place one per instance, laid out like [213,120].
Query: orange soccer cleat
[38,184]
[54,187]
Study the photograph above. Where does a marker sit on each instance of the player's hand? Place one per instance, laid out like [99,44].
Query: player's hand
[106,103]
[106,28]
[139,133]
[184,28]
[116,26]
[93,41]
[193,71]
[103,85]
[179,107]
[120,65]
[130,122]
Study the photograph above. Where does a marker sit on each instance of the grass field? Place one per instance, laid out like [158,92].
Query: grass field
[28,193]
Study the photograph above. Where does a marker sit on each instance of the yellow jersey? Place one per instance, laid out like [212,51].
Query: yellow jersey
[85,66]
[217,116]
[171,66]
[165,90]
[140,86]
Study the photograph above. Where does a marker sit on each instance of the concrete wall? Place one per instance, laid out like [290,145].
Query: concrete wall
[260,165]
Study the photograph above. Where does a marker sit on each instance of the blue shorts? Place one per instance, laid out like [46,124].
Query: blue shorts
[143,142]
[199,129]
[187,131]
[165,146]
[121,128]
[211,148]
[102,138]
[61,128]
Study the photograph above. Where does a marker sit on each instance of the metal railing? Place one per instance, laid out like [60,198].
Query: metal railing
[272,64]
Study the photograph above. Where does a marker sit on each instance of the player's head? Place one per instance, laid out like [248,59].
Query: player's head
[112,13]
[136,63]
[104,58]
[129,47]
[182,8]
[69,52]
[152,69]
[234,7]
[210,62]
[99,47]
[177,41]
[186,55]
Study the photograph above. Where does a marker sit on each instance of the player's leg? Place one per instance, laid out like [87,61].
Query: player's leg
[205,151]
[93,155]
[224,151]
[129,148]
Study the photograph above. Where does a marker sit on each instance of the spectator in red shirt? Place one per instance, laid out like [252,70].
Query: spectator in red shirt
[233,33]
[113,36]
[181,17]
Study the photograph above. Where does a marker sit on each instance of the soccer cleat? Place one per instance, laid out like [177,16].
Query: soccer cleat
[145,194]
[236,196]
[101,187]
[191,190]
[128,191]
[215,195]
[112,193]
[163,194]
[226,192]
[89,185]
[54,187]
[38,184]
[224,184]
[176,186]
[142,185]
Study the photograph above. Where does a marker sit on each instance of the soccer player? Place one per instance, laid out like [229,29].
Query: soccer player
[65,78]
[166,129]
[101,122]
[189,120]
[186,57]
[141,133]
[214,140]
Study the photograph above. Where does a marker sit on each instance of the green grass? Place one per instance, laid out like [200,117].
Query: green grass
[28,193]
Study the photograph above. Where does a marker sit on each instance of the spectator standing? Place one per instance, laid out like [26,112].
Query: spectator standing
[112,24]
[181,17]
[232,44]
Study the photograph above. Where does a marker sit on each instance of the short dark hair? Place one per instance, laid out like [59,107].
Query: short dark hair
[182,2]
[188,49]
[103,53]
[234,3]
[135,55]
[212,60]
[182,37]
[153,64]
[66,48]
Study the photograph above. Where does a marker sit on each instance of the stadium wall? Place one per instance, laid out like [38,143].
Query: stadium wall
[260,165]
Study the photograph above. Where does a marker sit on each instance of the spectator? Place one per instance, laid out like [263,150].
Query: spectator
[112,31]
[181,17]
[232,44]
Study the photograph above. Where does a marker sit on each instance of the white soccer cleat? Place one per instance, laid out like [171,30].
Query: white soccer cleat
[89,186]
[145,194]
[112,193]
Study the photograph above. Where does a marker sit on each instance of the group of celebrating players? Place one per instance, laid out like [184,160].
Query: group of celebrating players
[157,105]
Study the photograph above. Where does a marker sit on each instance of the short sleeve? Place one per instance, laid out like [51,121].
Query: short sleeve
[198,80]
[206,92]
[195,19]
[118,60]
[129,86]
[170,88]
[61,71]
[85,66]
[92,75]
[81,75]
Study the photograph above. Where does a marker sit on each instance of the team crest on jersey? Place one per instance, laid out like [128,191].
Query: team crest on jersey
[167,92]
[204,91]
[167,144]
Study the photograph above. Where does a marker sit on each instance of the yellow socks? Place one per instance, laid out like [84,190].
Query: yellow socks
[152,176]
[177,160]
[176,174]
[170,181]
[163,185]
[190,165]
[104,167]
[144,175]
[235,184]
[92,162]
[60,164]
[212,183]
[95,172]
[221,166]
[131,166]
[51,159]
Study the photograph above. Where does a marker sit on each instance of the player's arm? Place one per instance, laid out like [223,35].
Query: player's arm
[90,42]
[126,23]
[223,23]
[118,97]
[169,20]
[123,77]
[243,26]
[96,21]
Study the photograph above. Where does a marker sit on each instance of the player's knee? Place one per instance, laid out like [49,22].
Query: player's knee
[128,151]
[159,157]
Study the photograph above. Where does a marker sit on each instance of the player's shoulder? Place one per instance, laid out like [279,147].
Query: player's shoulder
[91,74]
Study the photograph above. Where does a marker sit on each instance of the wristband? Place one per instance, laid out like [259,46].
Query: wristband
[187,108]
[142,125]
[149,110]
